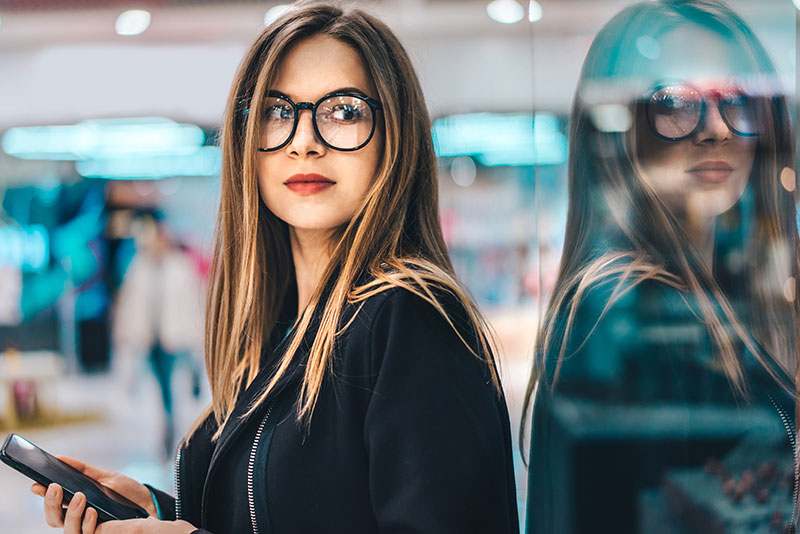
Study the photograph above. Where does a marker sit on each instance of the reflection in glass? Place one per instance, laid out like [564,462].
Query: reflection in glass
[663,385]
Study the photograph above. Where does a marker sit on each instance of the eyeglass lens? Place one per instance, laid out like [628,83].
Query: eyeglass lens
[343,122]
[676,110]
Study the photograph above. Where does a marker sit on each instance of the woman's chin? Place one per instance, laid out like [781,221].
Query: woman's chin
[312,225]
[712,203]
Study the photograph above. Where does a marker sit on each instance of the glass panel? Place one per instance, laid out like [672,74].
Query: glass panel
[663,386]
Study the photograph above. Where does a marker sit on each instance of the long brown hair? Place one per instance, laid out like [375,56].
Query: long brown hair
[609,204]
[395,236]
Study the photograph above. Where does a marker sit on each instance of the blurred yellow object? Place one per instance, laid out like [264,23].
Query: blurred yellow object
[38,372]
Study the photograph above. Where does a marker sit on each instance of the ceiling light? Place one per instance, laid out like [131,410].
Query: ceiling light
[204,161]
[274,13]
[491,139]
[535,11]
[463,171]
[506,11]
[133,22]
[103,138]
[649,47]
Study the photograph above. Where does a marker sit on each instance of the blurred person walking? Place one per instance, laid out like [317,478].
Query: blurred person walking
[158,315]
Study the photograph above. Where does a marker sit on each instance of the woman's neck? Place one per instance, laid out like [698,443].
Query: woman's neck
[701,234]
[310,253]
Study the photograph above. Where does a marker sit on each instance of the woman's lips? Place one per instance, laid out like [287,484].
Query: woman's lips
[712,171]
[308,184]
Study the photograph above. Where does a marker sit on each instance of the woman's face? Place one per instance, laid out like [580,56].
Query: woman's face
[307,184]
[706,173]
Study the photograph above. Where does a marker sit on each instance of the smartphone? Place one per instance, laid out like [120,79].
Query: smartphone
[45,468]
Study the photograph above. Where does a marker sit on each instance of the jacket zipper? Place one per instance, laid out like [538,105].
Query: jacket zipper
[178,508]
[790,430]
[251,467]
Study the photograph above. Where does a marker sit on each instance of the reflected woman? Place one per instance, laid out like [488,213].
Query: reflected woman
[670,339]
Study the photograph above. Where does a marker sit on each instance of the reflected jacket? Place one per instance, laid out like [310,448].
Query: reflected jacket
[409,435]
[639,396]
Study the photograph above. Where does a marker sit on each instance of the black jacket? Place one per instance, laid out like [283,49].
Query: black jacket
[409,435]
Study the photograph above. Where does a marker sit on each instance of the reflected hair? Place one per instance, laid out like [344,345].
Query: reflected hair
[394,238]
[619,231]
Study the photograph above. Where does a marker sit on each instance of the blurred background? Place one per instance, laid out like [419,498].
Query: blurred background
[109,112]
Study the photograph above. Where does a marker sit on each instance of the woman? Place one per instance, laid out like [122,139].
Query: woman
[676,297]
[353,386]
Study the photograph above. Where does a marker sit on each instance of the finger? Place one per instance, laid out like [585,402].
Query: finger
[117,527]
[89,521]
[53,513]
[130,526]
[74,516]
[39,490]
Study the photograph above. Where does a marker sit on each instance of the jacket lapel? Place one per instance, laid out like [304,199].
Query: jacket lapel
[236,422]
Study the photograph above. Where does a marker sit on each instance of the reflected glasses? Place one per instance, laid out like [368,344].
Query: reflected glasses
[676,111]
[342,121]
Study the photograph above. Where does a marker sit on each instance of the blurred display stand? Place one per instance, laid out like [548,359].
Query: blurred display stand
[28,383]
[632,447]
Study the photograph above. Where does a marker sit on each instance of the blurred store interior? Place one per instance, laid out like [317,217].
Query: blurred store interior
[108,121]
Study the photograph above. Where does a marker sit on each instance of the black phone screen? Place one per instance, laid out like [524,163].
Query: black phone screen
[45,468]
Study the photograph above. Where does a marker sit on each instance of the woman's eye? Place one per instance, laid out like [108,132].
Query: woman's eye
[345,113]
[735,100]
[279,113]
[670,103]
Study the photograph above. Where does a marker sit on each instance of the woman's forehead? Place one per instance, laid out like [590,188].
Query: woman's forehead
[319,65]
[694,53]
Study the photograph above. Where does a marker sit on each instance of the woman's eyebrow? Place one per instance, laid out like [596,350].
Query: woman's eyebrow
[348,90]
[356,90]
[278,94]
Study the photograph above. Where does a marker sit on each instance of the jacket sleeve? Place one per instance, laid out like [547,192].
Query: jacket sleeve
[436,429]
[165,503]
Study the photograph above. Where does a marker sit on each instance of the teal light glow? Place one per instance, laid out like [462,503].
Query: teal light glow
[26,248]
[106,138]
[648,47]
[502,139]
[204,161]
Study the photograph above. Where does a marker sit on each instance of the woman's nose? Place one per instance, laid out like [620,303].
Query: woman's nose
[713,128]
[305,141]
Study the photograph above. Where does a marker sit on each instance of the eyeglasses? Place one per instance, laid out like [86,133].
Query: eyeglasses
[676,111]
[342,121]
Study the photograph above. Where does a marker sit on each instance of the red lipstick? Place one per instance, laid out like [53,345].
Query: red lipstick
[712,172]
[308,184]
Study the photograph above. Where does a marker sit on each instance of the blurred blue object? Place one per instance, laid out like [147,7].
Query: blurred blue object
[103,139]
[205,161]
[502,139]
[26,248]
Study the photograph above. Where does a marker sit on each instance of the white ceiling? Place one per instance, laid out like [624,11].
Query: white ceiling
[63,66]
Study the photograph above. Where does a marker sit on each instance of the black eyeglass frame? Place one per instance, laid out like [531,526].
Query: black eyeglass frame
[720,106]
[374,105]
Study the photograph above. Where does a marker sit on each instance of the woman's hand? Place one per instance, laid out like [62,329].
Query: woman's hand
[125,486]
[77,522]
